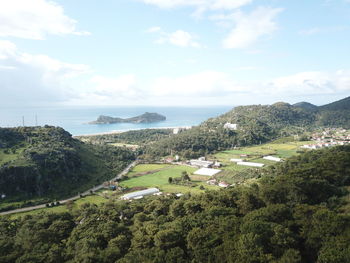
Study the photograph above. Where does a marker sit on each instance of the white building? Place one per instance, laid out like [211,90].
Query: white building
[201,163]
[272,158]
[217,164]
[207,171]
[212,182]
[140,194]
[223,184]
[251,164]
[231,126]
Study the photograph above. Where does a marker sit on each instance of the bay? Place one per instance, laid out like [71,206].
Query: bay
[74,119]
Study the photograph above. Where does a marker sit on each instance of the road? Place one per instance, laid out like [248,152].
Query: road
[95,188]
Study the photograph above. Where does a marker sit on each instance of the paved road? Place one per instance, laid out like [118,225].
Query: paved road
[96,188]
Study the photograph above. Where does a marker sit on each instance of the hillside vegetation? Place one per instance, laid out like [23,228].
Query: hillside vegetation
[48,162]
[297,212]
[256,124]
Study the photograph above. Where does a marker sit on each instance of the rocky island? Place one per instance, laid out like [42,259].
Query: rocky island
[147,117]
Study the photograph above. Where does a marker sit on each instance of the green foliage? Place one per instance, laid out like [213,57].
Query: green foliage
[52,164]
[256,124]
[138,137]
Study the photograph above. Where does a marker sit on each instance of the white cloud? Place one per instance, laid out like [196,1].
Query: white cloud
[178,38]
[153,29]
[202,84]
[322,30]
[199,4]
[249,28]
[122,86]
[34,79]
[311,83]
[34,19]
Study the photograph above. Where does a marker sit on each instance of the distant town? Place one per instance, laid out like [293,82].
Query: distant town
[329,137]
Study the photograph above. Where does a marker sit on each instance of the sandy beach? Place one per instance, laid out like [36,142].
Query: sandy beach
[122,131]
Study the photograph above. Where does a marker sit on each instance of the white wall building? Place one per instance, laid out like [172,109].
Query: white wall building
[201,163]
[140,194]
[223,184]
[231,126]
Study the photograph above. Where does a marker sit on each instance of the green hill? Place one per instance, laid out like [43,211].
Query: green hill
[335,114]
[305,105]
[48,162]
[343,104]
[255,124]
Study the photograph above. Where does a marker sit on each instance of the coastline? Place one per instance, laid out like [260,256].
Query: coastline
[122,131]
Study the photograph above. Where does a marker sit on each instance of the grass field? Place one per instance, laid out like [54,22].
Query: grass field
[143,168]
[255,154]
[159,179]
[6,157]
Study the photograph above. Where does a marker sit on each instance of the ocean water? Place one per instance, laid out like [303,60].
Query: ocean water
[75,119]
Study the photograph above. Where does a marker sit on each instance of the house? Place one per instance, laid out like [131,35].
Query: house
[169,160]
[272,158]
[207,171]
[223,184]
[201,162]
[217,164]
[140,194]
[231,126]
[212,182]
[251,164]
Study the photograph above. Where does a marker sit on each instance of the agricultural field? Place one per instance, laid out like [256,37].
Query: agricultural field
[233,173]
[255,154]
[157,175]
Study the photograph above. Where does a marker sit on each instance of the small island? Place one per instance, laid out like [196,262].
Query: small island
[147,117]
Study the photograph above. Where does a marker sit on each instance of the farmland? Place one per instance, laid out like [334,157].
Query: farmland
[157,175]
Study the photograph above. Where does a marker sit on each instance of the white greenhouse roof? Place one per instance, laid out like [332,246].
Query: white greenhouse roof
[207,171]
[272,158]
[251,164]
[139,194]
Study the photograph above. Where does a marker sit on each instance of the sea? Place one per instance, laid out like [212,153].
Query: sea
[75,119]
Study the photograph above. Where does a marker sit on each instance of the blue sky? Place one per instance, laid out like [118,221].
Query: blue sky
[173,52]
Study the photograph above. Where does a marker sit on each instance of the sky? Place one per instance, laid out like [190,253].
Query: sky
[173,52]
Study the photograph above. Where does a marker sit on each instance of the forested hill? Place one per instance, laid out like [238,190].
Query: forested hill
[335,114]
[47,161]
[255,124]
[298,212]
[343,104]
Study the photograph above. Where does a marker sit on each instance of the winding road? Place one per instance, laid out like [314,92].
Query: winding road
[95,188]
